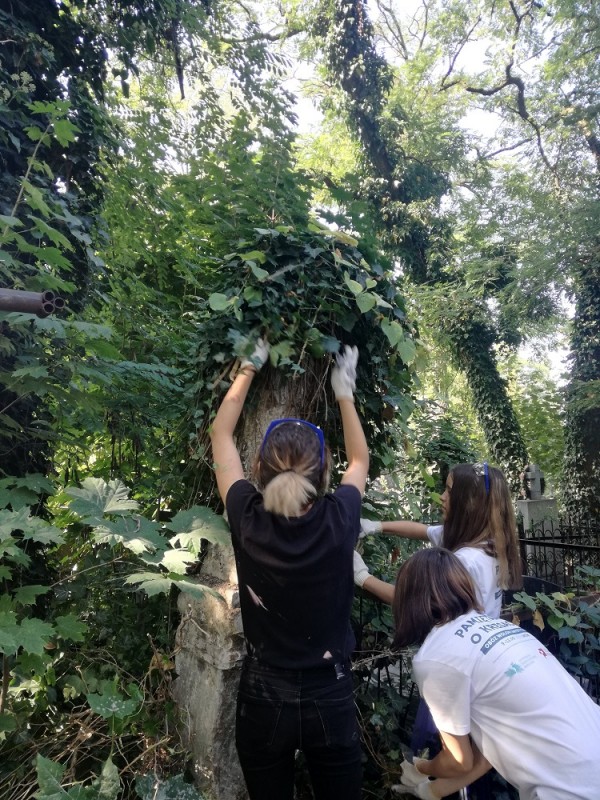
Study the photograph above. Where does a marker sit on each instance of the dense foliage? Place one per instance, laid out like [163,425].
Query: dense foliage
[152,174]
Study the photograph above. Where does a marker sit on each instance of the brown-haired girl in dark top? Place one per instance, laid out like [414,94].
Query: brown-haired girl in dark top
[294,546]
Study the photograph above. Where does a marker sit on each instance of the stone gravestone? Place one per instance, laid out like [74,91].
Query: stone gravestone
[537,511]
[539,517]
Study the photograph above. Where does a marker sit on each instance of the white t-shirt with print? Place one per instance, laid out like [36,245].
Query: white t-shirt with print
[526,714]
[482,567]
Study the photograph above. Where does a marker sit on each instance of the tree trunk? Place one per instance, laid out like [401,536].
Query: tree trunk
[582,429]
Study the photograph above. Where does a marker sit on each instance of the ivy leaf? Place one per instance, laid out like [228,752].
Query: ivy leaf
[108,785]
[573,635]
[365,302]
[353,285]
[331,344]
[49,775]
[254,255]
[7,723]
[393,330]
[257,271]
[96,498]
[111,703]
[69,627]
[218,301]
[406,350]
[197,523]
[283,349]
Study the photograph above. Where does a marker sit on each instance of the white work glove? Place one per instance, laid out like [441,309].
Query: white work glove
[411,775]
[369,526]
[361,571]
[258,357]
[343,375]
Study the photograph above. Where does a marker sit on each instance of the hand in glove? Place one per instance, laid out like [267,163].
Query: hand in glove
[361,571]
[258,357]
[410,773]
[343,375]
[369,526]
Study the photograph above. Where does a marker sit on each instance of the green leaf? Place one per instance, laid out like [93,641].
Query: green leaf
[177,560]
[96,498]
[17,498]
[138,534]
[65,131]
[27,595]
[30,372]
[111,703]
[331,344]
[8,632]
[366,302]
[49,775]
[34,634]
[218,301]
[108,785]
[283,349]
[197,590]
[35,199]
[7,722]
[406,350]
[254,255]
[353,285]
[257,271]
[12,222]
[393,330]
[59,239]
[69,627]
[151,582]
[197,523]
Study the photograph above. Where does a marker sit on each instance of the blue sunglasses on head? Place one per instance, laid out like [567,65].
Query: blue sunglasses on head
[294,421]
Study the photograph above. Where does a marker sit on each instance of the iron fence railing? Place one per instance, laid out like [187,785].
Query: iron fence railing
[553,550]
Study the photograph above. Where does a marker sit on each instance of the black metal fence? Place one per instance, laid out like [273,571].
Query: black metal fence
[552,550]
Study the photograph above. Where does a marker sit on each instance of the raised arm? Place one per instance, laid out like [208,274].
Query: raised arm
[343,381]
[226,458]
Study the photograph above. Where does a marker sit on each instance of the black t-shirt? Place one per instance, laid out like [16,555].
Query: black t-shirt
[296,577]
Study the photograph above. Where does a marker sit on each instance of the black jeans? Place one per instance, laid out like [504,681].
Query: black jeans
[280,711]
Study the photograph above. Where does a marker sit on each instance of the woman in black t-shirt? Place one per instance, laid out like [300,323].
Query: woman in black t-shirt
[294,543]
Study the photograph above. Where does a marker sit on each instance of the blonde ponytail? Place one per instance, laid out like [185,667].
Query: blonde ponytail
[288,494]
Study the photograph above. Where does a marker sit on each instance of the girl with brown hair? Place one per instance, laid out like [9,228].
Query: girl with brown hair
[497,696]
[479,526]
[293,543]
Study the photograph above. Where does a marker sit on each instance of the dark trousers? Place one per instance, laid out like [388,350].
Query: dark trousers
[280,711]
